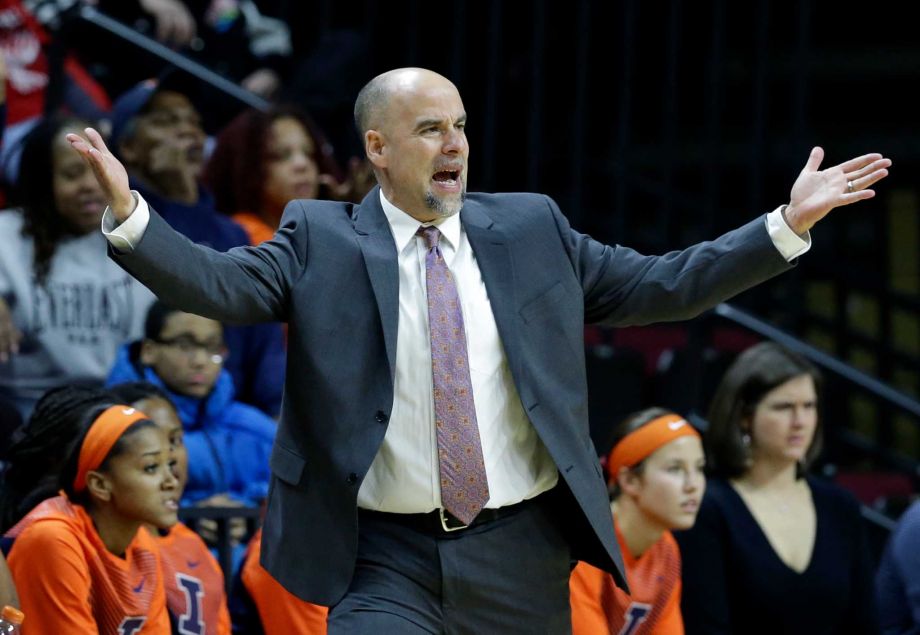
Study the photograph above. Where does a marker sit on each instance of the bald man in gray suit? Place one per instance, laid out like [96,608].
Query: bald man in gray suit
[363,512]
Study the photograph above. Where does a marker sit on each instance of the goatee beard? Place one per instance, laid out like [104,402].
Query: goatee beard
[444,208]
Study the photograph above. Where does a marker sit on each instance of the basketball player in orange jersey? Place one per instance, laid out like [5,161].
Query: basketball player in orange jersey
[81,561]
[655,475]
[195,595]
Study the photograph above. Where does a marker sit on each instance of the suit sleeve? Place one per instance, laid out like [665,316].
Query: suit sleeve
[241,286]
[704,584]
[53,582]
[625,288]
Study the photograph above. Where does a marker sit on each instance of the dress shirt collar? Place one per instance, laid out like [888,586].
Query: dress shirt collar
[404,226]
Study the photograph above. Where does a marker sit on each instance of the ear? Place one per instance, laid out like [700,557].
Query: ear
[99,486]
[375,147]
[630,483]
[148,353]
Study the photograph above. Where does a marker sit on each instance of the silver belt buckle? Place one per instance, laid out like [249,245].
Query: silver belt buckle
[443,515]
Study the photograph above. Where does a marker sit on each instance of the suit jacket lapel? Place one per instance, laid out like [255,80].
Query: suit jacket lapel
[494,259]
[376,242]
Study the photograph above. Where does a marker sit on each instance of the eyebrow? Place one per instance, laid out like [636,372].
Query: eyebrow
[435,122]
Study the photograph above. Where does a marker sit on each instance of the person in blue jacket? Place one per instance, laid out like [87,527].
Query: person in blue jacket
[228,442]
[158,131]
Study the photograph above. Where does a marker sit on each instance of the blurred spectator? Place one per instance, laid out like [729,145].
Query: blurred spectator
[81,561]
[263,160]
[232,37]
[655,476]
[228,442]
[773,549]
[195,595]
[38,449]
[898,578]
[42,77]
[65,306]
[157,130]
[263,606]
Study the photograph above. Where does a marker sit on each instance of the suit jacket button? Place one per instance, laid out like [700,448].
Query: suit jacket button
[381,417]
[352,479]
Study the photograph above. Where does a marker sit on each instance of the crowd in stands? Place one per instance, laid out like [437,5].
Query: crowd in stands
[117,411]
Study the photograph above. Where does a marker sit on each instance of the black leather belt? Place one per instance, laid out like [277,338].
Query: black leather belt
[442,523]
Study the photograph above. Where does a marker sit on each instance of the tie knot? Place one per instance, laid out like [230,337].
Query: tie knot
[431,234]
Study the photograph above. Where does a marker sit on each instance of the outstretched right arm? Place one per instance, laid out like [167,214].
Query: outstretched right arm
[243,285]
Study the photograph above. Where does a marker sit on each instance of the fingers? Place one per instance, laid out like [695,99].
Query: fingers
[96,139]
[814,159]
[875,166]
[860,184]
[855,197]
[861,161]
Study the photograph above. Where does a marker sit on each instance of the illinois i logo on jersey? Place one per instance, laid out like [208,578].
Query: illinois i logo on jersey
[636,613]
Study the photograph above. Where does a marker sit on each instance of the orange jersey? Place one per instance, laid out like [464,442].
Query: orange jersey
[68,581]
[281,612]
[600,607]
[194,583]
[257,229]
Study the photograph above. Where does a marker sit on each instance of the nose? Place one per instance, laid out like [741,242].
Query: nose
[88,182]
[170,480]
[694,481]
[799,414]
[454,141]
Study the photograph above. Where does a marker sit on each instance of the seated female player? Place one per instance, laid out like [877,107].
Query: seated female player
[655,475]
[81,561]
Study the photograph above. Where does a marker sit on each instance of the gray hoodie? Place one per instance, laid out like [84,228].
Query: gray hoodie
[74,323]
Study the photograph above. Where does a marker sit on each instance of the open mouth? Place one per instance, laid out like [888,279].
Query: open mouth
[171,504]
[449,179]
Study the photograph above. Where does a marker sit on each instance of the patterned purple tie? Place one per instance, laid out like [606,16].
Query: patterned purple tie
[464,488]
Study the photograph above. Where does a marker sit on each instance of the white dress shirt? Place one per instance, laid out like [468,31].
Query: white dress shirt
[403,477]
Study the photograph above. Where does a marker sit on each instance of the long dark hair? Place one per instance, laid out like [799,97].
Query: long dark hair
[753,374]
[236,171]
[34,191]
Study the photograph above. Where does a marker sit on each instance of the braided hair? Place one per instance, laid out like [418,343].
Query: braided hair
[40,447]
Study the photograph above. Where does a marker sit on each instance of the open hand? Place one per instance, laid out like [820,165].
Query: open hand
[110,173]
[816,192]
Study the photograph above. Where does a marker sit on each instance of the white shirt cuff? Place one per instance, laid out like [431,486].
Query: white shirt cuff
[787,242]
[126,236]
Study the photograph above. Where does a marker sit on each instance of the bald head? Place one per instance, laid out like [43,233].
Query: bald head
[373,103]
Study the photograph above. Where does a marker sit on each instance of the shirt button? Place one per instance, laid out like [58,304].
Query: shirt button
[381,417]
[351,479]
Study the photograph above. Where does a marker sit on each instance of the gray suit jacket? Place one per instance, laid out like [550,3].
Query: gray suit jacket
[331,273]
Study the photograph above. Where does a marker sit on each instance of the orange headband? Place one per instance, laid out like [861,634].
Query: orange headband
[103,433]
[640,443]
